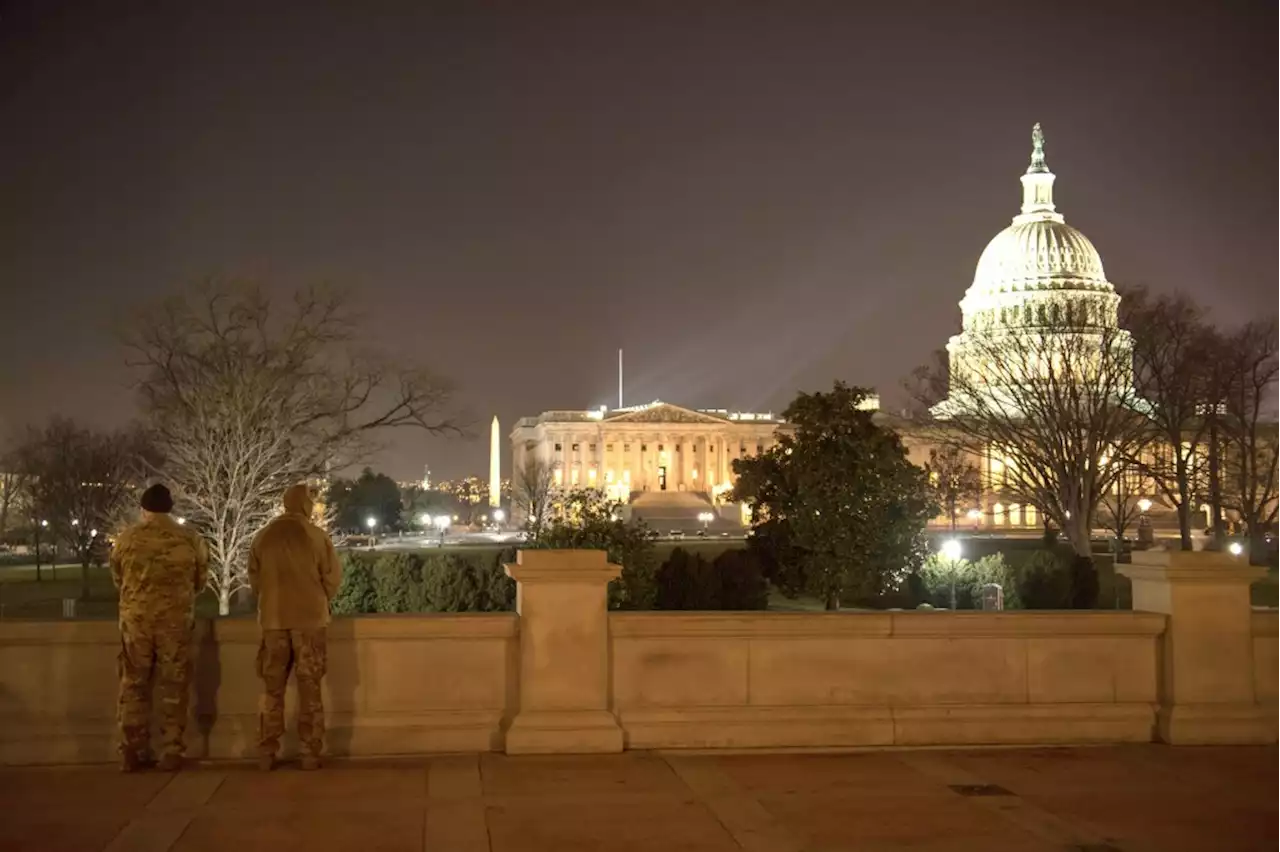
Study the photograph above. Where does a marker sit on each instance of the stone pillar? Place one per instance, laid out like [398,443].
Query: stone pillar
[1206,677]
[562,600]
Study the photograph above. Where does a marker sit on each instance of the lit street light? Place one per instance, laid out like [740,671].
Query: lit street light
[181,521]
[499,516]
[706,518]
[951,550]
[1236,548]
[442,523]
[372,523]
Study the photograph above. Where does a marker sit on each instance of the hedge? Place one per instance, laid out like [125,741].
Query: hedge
[733,581]
[417,581]
[425,582]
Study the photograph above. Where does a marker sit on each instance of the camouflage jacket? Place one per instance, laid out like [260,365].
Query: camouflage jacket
[159,567]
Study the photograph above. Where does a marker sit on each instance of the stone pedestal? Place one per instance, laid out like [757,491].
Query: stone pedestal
[562,599]
[1206,673]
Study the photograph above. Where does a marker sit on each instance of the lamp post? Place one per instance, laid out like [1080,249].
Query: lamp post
[442,523]
[498,517]
[951,550]
[372,523]
[706,518]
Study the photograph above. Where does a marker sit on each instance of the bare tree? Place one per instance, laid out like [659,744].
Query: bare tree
[1121,506]
[247,397]
[12,487]
[1172,346]
[1249,419]
[1052,400]
[84,478]
[533,492]
[956,482]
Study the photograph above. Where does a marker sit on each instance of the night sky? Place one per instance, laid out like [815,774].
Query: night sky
[751,199]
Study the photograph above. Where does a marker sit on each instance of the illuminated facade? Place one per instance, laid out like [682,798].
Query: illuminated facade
[1039,276]
[651,448]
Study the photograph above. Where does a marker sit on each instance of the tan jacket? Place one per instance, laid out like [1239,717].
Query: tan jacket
[295,573]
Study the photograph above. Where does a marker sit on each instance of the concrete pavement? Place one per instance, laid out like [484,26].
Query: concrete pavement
[1131,799]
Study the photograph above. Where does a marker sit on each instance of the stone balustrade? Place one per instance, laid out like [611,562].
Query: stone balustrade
[1194,664]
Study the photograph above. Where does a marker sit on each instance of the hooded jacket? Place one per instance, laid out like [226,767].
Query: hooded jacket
[293,568]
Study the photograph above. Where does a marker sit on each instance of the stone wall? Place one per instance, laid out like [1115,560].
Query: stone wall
[1266,627]
[396,685]
[875,679]
[1195,665]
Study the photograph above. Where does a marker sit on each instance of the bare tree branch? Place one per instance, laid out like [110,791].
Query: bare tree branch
[247,397]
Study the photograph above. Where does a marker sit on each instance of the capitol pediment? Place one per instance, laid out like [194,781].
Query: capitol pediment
[664,412]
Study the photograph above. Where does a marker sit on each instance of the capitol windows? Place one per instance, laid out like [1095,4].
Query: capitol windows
[608,475]
[660,448]
[573,476]
[644,448]
[591,476]
[591,447]
[626,448]
[559,477]
[558,448]
[575,447]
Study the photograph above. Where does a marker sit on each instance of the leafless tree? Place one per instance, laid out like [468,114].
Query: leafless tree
[83,479]
[1173,370]
[1053,398]
[12,486]
[248,396]
[1249,419]
[956,481]
[1121,506]
[533,492]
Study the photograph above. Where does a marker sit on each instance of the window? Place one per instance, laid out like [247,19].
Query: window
[742,449]
[558,448]
[608,448]
[575,448]
[759,448]
[626,448]
[644,448]
[660,448]
[592,447]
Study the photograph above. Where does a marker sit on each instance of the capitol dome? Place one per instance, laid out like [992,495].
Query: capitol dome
[1039,266]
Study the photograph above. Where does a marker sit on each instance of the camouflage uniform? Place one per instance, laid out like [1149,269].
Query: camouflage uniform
[159,568]
[294,571]
[304,652]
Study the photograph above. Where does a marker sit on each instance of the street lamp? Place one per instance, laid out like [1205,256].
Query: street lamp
[499,516]
[1145,505]
[706,518]
[181,521]
[371,522]
[951,550]
[1236,548]
[442,523]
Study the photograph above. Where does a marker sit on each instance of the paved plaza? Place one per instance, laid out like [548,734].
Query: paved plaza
[1132,799]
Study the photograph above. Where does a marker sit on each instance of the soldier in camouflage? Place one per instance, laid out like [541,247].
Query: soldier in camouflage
[295,573]
[159,567]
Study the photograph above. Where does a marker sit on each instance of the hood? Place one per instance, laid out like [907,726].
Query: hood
[297,499]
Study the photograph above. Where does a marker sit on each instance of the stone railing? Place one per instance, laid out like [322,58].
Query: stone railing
[1195,664]
[395,685]
[904,678]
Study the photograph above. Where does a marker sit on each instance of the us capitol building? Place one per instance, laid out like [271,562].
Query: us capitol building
[1028,275]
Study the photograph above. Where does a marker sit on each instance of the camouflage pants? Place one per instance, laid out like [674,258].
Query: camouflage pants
[153,655]
[304,652]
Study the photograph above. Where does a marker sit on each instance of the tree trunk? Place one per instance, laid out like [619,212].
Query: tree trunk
[224,600]
[1084,575]
[1257,545]
[1219,540]
[833,601]
[84,576]
[1184,523]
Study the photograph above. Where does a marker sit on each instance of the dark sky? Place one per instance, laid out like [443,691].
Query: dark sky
[751,199]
